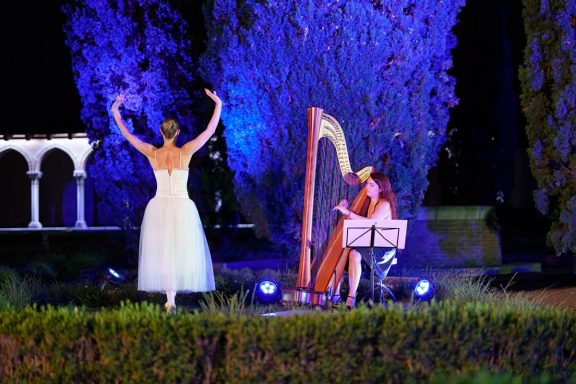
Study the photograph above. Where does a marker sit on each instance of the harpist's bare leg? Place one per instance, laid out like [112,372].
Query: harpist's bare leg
[354,272]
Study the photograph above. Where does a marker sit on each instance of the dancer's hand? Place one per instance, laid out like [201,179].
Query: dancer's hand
[119,100]
[213,96]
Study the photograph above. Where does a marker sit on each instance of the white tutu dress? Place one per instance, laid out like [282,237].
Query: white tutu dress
[174,253]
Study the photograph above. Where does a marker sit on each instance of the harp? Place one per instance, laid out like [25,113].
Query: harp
[321,267]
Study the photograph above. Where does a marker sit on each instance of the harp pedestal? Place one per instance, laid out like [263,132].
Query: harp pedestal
[307,296]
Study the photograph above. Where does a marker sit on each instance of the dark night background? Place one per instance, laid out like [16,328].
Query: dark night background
[483,163]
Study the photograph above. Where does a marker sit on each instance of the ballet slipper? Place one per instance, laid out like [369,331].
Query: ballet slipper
[170,308]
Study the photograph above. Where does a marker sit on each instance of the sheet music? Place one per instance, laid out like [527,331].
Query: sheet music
[387,233]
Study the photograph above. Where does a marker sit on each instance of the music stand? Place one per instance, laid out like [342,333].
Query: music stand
[370,233]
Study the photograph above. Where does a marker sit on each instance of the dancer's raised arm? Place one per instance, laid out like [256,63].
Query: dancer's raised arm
[142,147]
[194,145]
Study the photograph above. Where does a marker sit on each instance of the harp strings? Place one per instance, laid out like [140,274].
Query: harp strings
[330,188]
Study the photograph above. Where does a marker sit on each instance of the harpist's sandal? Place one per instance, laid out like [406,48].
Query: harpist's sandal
[351,303]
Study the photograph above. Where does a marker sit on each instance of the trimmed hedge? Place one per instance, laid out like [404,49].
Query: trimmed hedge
[139,343]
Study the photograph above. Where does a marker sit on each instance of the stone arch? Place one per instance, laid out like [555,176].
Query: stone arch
[57,187]
[83,160]
[44,151]
[15,188]
[11,147]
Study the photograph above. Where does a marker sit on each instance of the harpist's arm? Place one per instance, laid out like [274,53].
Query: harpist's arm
[343,208]
[381,211]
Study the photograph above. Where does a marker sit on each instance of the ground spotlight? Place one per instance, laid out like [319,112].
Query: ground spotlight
[114,276]
[424,290]
[268,291]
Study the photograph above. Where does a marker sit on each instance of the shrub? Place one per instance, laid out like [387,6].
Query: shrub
[548,80]
[480,288]
[139,343]
[15,290]
[140,47]
[380,67]
[240,303]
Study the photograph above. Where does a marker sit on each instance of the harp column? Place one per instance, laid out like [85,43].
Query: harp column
[314,122]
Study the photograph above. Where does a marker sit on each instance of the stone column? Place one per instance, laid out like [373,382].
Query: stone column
[35,198]
[80,176]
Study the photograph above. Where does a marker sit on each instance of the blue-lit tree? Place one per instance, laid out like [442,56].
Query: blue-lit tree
[379,67]
[548,80]
[142,48]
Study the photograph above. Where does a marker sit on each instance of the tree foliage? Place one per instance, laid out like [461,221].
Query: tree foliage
[140,47]
[379,67]
[548,80]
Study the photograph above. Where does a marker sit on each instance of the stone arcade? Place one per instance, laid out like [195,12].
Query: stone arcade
[34,149]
